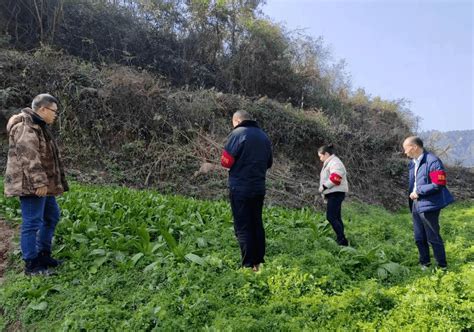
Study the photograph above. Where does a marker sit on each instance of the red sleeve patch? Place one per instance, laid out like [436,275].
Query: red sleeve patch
[226,159]
[335,178]
[438,177]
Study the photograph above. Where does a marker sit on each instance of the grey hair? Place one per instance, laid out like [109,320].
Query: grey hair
[415,140]
[242,115]
[43,100]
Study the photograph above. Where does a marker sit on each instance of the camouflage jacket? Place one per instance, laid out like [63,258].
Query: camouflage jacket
[33,157]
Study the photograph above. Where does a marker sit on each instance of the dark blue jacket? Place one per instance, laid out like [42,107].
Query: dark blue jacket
[430,184]
[249,155]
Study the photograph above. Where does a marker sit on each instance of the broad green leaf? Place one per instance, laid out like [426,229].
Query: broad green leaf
[195,259]
[97,252]
[382,273]
[80,238]
[99,261]
[157,246]
[39,306]
[136,258]
[150,267]
[202,243]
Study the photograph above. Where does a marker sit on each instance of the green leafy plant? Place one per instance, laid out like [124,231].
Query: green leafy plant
[140,260]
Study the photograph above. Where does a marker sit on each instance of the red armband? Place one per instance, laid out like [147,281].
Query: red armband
[226,159]
[438,177]
[335,178]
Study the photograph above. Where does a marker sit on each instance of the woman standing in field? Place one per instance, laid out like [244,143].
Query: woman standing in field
[333,187]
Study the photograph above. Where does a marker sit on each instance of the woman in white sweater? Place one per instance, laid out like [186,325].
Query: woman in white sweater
[333,186]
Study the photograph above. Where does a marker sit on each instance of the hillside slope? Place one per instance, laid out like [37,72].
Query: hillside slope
[147,89]
[120,125]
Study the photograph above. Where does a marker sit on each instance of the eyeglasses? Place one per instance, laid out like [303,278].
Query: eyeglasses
[52,110]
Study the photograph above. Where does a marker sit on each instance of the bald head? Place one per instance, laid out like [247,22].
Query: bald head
[240,116]
[414,140]
[413,146]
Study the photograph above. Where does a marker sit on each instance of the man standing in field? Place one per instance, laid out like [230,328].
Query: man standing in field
[248,154]
[427,196]
[35,173]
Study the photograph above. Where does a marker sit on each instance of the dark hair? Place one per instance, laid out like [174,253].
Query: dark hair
[44,99]
[416,140]
[329,148]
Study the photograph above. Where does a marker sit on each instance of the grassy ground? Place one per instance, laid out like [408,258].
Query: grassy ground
[137,260]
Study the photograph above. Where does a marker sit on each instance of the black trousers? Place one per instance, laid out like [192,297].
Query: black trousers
[333,215]
[248,226]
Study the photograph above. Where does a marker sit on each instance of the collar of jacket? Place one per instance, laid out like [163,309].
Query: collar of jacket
[422,160]
[420,157]
[247,123]
[331,157]
[34,117]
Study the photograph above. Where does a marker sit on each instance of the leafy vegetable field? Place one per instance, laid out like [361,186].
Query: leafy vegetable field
[138,260]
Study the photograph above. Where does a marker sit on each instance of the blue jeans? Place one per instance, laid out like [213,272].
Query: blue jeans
[426,231]
[40,216]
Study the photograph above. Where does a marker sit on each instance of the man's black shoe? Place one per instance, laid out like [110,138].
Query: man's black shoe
[34,267]
[343,242]
[48,261]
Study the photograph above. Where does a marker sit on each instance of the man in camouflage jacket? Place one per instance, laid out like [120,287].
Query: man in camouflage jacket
[35,173]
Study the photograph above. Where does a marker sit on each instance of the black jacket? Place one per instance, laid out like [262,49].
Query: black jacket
[249,152]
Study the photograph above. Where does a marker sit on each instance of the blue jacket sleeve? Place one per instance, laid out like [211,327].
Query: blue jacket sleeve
[234,144]
[430,188]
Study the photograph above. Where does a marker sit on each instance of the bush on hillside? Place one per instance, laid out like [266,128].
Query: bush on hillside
[225,45]
[128,126]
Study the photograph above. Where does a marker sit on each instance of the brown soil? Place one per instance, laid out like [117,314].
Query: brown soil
[6,236]
[14,327]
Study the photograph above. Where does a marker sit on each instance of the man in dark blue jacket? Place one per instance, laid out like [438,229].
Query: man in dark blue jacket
[427,196]
[248,154]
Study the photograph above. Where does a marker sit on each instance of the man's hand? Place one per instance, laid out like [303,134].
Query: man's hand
[414,196]
[322,188]
[42,191]
[205,168]
[324,198]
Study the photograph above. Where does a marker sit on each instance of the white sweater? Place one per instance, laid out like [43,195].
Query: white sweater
[333,165]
